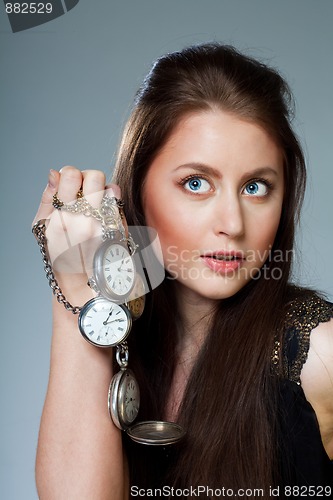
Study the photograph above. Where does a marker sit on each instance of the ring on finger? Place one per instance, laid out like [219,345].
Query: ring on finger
[56,202]
[59,204]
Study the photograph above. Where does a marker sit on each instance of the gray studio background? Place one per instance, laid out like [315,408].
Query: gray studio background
[66,89]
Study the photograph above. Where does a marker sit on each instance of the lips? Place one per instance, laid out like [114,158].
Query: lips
[224,257]
[223,262]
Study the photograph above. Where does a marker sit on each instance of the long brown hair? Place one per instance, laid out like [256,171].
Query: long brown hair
[229,407]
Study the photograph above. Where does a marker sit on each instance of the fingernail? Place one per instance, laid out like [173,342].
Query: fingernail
[52,179]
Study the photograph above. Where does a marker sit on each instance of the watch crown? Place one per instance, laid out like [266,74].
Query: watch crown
[92,283]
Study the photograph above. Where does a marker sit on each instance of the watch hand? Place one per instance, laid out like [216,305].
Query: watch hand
[102,333]
[112,321]
[106,321]
[121,264]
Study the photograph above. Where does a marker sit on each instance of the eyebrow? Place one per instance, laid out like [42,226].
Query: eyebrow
[206,169]
[202,168]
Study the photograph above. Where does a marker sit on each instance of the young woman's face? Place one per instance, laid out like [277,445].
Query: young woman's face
[214,194]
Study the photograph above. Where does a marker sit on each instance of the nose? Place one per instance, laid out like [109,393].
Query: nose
[229,216]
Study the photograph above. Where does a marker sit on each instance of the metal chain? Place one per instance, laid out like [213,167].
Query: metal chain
[108,214]
[122,355]
[39,232]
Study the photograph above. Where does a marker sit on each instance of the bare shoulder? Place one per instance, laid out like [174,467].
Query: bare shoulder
[317,380]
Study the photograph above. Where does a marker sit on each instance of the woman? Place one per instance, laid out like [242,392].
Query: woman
[209,160]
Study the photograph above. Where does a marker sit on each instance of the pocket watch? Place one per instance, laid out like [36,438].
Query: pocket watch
[114,268]
[104,323]
[124,404]
[123,398]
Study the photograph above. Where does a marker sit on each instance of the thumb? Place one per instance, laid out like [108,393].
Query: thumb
[46,208]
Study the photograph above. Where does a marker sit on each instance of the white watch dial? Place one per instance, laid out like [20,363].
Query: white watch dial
[114,270]
[104,323]
[118,269]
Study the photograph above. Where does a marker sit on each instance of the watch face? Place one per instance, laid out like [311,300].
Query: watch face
[114,270]
[124,398]
[104,323]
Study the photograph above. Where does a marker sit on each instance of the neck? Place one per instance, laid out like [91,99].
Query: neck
[195,317]
[193,325]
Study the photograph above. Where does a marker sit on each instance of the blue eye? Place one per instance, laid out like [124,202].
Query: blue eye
[256,188]
[197,185]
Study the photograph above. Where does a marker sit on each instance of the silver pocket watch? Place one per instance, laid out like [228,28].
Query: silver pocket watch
[106,321]
[124,405]
[114,269]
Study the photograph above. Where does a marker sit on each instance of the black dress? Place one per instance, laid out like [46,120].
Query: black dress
[304,461]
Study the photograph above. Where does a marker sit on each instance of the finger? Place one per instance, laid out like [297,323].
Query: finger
[45,208]
[93,186]
[69,184]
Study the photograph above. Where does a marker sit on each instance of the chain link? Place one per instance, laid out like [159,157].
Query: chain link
[39,232]
[122,355]
[109,213]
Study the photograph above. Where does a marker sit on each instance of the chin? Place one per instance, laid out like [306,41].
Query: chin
[211,291]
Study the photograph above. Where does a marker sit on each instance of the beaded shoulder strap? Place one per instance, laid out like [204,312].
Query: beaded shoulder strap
[302,317]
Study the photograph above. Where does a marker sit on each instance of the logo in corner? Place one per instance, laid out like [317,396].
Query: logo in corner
[25,15]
